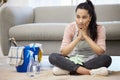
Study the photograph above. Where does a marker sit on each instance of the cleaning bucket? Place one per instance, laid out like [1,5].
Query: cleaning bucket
[23,67]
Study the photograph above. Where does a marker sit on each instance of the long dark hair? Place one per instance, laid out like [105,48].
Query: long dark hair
[93,25]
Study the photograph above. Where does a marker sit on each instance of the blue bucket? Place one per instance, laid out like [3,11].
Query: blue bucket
[23,67]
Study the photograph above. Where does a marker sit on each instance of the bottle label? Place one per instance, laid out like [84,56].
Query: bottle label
[34,68]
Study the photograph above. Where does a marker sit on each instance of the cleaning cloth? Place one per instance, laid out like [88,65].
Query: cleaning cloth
[77,59]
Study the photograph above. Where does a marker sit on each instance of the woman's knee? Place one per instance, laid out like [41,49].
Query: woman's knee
[107,59]
[53,57]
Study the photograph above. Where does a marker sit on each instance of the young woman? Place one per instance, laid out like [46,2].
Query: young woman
[85,38]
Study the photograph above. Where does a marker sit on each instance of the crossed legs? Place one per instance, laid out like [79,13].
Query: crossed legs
[66,66]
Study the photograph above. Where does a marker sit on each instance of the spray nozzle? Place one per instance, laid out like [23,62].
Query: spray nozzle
[30,52]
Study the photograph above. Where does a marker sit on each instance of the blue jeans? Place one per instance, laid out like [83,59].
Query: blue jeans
[63,63]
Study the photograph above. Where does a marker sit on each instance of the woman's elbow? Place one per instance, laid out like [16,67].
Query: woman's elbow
[63,53]
[100,52]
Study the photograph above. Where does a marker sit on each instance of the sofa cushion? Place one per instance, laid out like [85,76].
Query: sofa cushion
[52,14]
[17,15]
[38,31]
[54,31]
[67,13]
[108,12]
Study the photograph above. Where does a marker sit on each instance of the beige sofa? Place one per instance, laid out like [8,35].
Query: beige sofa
[46,25]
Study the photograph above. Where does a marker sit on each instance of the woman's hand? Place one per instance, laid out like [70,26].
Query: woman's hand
[83,32]
[80,36]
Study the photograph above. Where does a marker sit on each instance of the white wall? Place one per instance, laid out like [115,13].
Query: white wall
[35,3]
[17,2]
[32,3]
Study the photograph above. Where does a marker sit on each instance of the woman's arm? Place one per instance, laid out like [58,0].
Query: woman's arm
[67,49]
[68,43]
[95,47]
[99,47]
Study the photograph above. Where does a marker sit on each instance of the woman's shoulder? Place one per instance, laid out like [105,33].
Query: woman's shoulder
[72,26]
[100,27]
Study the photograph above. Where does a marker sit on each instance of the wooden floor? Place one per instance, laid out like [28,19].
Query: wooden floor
[9,72]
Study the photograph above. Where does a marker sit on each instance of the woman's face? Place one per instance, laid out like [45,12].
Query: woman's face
[82,18]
